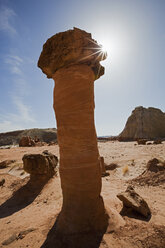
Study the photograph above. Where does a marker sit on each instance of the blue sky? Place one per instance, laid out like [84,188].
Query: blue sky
[133,32]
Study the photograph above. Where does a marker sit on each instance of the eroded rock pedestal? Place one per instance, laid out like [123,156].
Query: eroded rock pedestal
[72,59]
[40,166]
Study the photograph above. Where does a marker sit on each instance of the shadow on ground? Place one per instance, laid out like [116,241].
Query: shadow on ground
[129,212]
[81,240]
[23,197]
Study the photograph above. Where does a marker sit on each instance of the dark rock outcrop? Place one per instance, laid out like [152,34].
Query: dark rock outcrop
[154,165]
[154,175]
[111,166]
[144,123]
[26,141]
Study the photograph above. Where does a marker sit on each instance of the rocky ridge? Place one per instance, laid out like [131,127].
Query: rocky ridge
[44,135]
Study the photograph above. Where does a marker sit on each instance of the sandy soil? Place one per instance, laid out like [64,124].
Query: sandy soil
[28,214]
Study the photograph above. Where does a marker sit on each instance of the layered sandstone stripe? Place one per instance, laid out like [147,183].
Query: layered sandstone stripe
[80,172]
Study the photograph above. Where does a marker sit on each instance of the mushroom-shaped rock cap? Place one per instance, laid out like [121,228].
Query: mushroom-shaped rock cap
[69,48]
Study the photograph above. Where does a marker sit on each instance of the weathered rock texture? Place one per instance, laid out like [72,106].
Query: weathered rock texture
[72,59]
[144,123]
[26,141]
[133,200]
[69,48]
[154,175]
[40,164]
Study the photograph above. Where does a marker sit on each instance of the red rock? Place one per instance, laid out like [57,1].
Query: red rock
[72,59]
[26,141]
[40,164]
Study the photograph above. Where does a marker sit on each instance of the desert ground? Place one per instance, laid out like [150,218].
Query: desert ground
[28,213]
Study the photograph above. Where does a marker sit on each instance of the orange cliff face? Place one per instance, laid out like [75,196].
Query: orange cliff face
[72,59]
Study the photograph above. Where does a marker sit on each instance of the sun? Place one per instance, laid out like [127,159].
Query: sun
[103,49]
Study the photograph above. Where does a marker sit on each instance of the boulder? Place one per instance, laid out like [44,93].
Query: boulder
[142,141]
[154,165]
[144,123]
[40,164]
[26,141]
[157,142]
[133,200]
[111,166]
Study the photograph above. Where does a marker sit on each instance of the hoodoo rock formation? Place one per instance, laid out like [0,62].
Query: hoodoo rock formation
[144,123]
[72,59]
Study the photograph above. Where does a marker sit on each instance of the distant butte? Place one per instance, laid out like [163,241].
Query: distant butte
[144,123]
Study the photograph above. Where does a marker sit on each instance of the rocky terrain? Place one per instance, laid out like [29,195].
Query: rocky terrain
[28,212]
[44,135]
[144,123]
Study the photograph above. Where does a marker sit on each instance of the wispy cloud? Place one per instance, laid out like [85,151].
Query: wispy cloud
[22,117]
[14,63]
[6,18]
[7,125]
[20,120]
[23,109]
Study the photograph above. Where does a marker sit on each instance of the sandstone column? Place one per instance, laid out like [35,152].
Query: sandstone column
[72,59]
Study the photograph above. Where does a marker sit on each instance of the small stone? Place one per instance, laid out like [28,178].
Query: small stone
[2,182]
[6,163]
[141,141]
[105,174]
[22,234]
[11,239]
